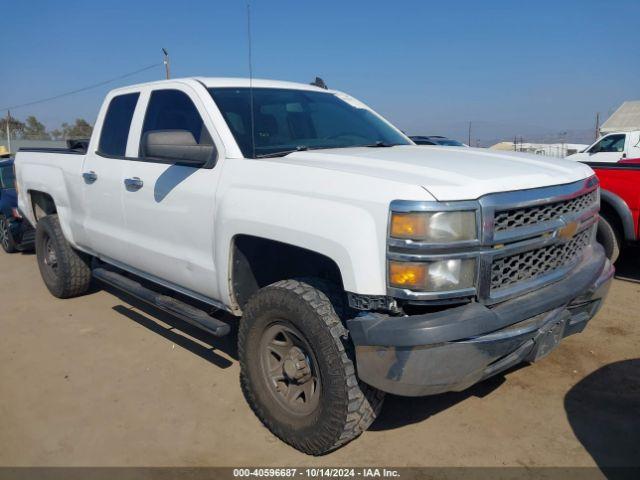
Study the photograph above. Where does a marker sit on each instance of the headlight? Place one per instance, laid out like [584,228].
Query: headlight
[434,227]
[438,276]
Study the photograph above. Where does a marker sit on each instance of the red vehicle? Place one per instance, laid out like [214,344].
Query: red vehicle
[619,204]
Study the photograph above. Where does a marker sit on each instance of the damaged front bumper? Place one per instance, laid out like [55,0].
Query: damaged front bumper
[452,349]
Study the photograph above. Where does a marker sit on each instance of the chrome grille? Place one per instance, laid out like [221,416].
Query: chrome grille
[522,217]
[507,271]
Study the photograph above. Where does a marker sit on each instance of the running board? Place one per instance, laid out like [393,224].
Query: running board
[190,314]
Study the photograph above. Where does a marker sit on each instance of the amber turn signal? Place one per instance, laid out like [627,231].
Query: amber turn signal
[408,225]
[407,275]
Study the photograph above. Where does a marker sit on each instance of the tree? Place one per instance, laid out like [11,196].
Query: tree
[34,130]
[57,134]
[16,127]
[80,129]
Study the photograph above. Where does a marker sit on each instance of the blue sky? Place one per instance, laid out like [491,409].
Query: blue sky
[531,68]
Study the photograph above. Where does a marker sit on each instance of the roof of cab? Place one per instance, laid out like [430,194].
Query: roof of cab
[230,82]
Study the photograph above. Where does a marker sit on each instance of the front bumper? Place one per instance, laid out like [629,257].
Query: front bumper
[452,349]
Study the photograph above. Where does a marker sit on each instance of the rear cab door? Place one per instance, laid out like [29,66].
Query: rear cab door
[168,202]
[102,174]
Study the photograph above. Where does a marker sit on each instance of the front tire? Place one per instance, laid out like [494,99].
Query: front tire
[609,238]
[295,371]
[6,237]
[65,271]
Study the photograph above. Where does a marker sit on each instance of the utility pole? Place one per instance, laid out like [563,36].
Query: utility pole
[9,130]
[597,132]
[515,143]
[166,63]
[469,140]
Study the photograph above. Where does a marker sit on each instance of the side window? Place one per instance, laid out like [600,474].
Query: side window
[173,130]
[7,179]
[610,143]
[115,129]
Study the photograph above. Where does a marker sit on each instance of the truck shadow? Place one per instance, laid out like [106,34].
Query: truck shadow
[398,412]
[628,266]
[180,333]
[170,179]
[604,412]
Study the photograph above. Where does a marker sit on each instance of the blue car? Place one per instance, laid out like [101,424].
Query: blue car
[436,140]
[15,233]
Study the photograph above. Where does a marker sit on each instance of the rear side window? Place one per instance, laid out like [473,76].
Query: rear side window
[7,180]
[174,110]
[115,129]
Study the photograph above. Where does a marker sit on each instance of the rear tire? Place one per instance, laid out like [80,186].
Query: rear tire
[6,237]
[609,237]
[65,271]
[299,321]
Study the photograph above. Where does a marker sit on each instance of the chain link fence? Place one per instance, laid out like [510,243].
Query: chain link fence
[29,132]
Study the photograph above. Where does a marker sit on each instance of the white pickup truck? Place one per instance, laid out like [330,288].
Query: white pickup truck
[356,262]
[611,148]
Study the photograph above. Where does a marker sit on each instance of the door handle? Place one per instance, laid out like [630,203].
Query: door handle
[90,177]
[133,183]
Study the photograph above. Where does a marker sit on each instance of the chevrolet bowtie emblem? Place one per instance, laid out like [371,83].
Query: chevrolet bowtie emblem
[568,231]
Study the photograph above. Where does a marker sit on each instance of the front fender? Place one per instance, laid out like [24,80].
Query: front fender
[341,216]
[347,234]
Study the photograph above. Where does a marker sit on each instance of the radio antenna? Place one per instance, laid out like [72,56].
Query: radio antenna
[253,135]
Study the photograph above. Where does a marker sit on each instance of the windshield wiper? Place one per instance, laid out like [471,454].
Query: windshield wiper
[300,148]
[380,144]
[304,148]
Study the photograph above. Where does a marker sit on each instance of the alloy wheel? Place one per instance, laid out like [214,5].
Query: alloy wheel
[290,369]
[4,233]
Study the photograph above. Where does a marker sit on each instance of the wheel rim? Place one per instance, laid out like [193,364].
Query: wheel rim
[290,369]
[4,233]
[50,257]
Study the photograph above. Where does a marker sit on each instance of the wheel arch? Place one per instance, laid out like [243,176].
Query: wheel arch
[257,262]
[614,208]
[42,204]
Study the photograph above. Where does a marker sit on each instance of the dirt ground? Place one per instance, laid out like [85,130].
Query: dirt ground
[103,380]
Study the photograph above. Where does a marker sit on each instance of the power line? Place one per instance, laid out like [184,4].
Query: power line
[83,89]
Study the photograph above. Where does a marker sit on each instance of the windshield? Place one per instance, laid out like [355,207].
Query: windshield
[288,120]
[450,143]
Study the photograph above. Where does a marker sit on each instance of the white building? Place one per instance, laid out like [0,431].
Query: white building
[559,150]
[625,119]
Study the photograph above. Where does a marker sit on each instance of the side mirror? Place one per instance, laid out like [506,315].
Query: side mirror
[177,146]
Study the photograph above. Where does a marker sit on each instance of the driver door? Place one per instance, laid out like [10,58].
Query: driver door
[169,205]
[608,149]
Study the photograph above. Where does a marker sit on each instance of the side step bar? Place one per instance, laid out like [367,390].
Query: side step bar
[184,311]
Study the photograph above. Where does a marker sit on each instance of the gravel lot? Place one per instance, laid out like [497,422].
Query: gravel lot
[104,380]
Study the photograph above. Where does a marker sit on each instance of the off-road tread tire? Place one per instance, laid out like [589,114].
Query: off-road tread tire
[12,247]
[74,268]
[609,237]
[360,404]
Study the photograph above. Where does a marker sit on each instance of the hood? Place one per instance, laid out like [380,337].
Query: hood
[447,173]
